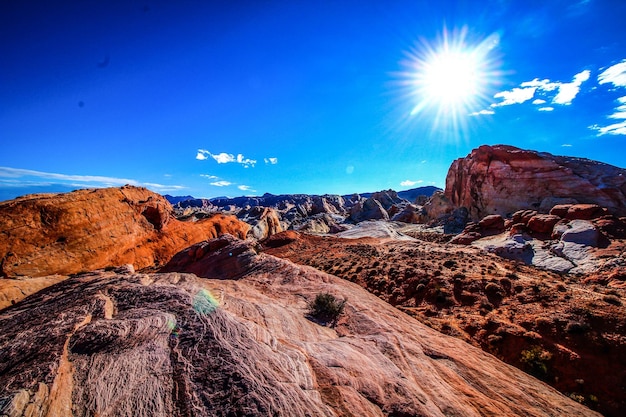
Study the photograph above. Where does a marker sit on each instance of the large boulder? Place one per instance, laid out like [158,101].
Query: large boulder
[370,209]
[47,234]
[503,179]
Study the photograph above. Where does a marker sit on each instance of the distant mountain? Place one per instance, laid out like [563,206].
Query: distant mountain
[177,199]
[414,193]
[269,200]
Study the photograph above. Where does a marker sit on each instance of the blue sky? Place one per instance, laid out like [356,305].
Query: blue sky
[213,98]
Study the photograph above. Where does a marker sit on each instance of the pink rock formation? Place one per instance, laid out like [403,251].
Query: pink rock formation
[503,179]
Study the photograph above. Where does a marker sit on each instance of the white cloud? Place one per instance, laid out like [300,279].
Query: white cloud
[615,128]
[246,188]
[210,177]
[82,181]
[615,74]
[202,155]
[514,96]
[161,188]
[409,183]
[272,161]
[544,85]
[482,112]
[548,108]
[108,181]
[568,91]
[566,145]
[225,158]
[221,183]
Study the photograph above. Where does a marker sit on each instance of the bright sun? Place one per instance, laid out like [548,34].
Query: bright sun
[452,76]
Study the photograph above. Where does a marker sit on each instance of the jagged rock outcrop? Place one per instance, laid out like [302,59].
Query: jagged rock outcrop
[265,221]
[370,209]
[174,345]
[313,213]
[83,230]
[503,179]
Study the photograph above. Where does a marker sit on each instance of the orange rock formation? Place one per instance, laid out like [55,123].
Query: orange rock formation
[46,234]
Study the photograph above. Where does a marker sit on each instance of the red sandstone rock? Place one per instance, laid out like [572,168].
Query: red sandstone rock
[543,223]
[612,226]
[523,216]
[493,221]
[560,210]
[584,212]
[108,344]
[90,229]
[503,179]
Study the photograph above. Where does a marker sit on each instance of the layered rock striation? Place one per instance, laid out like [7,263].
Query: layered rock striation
[83,230]
[503,179]
[172,344]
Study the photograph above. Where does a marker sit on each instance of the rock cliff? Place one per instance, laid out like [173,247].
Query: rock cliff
[83,230]
[171,344]
[503,179]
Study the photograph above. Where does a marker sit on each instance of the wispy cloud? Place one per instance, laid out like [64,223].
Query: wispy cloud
[618,114]
[566,145]
[221,183]
[548,108]
[272,161]
[23,177]
[565,92]
[108,181]
[482,112]
[210,177]
[615,74]
[410,183]
[161,188]
[225,158]
[246,188]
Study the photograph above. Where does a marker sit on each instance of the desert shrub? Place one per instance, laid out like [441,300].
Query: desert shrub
[326,308]
[575,327]
[536,361]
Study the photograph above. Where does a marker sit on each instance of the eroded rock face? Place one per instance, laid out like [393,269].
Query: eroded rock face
[176,345]
[505,307]
[89,229]
[503,179]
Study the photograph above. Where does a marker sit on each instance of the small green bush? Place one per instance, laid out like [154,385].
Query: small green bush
[326,308]
[536,360]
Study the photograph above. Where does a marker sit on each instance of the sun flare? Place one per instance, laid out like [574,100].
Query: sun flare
[452,76]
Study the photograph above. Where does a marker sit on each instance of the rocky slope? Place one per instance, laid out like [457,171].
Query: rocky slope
[577,239]
[124,344]
[503,179]
[269,214]
[49,234]
[567,330]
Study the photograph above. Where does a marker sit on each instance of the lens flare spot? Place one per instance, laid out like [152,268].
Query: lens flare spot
[204,302]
